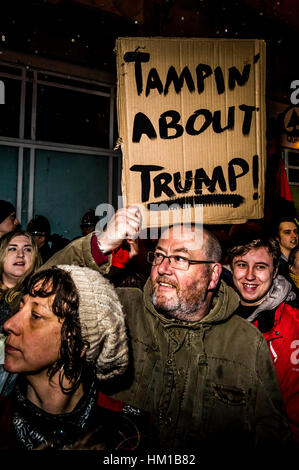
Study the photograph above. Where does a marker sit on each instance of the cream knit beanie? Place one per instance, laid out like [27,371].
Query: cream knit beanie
[102,321]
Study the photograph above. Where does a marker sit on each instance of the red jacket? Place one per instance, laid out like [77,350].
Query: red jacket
[283,341]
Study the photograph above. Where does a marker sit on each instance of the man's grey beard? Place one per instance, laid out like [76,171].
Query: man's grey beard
[183,306]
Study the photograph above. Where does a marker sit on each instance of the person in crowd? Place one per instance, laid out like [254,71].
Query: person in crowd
[19,257]
[8,218]
[266,301]
[236,232]
[294,268]
[67,338]
[204,374]
[288,238]
[88,222]
[40,229]
[127,265]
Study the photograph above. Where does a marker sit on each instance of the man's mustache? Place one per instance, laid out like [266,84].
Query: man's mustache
[165,280]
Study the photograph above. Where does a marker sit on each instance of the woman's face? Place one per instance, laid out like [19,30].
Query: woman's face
[18,260]
[34,337]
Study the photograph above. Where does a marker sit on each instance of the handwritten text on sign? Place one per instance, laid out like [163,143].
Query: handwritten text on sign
[191,134]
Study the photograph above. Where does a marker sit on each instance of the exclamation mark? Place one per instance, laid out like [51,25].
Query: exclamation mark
[255,175]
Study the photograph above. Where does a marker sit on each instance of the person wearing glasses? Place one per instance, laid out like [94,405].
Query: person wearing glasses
[205,374]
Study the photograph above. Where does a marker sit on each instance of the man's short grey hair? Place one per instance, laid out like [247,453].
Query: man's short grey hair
[211,245]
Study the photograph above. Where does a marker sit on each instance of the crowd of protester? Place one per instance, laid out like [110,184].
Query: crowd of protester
[119,343]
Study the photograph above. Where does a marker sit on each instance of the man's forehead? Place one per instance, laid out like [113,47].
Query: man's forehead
[287,226]
[184,235]
[256,254]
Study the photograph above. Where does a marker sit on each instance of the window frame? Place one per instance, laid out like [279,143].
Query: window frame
[33,73]
[285,155]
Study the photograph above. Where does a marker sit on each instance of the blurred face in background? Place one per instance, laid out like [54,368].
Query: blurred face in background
[9,224]
[86,229]
[288,237]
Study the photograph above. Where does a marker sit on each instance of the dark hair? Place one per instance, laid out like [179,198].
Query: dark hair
[89,218]
[292,256]
[39,225]
[280,221]
[212,246]
[66,307]
[271,245]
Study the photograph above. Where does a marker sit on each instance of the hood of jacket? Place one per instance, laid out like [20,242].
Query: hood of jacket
[280,291]
[224,303]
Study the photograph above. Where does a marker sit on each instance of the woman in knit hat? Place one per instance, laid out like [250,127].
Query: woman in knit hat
[68,337]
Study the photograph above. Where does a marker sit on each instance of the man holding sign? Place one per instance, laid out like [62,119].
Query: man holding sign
[191,123]
[191,120]
[205,374]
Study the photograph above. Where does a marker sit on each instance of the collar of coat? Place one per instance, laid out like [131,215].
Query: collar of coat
[224,303]
[280,291]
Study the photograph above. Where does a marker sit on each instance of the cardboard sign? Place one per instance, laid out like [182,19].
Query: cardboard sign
[191,117]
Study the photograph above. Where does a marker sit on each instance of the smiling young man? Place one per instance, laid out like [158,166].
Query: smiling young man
[266,301]
[203,373]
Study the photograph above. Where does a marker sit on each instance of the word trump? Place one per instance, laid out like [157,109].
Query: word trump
[170,185]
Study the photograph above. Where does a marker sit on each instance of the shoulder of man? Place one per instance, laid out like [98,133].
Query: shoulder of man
[130,297]
[78,252]
[290,308]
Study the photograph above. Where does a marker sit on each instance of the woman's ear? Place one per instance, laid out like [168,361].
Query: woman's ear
[216,271]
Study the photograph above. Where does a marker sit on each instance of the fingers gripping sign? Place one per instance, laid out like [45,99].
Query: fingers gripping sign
[124,225]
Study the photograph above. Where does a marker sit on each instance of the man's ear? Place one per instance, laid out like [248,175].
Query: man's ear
[216,271]
[275,273]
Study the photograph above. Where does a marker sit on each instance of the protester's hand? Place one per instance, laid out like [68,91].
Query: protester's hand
[124,225]
[134,248]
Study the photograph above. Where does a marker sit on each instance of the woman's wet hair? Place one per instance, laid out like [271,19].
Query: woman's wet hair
[55,281]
